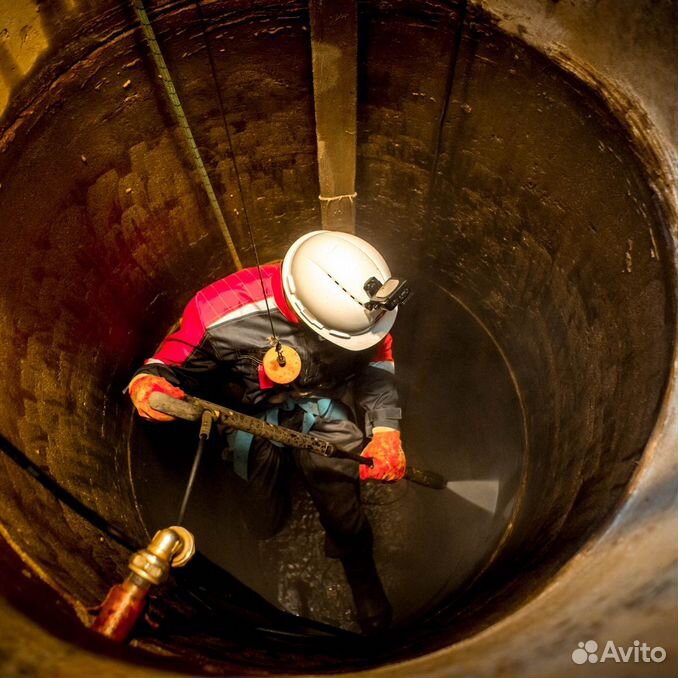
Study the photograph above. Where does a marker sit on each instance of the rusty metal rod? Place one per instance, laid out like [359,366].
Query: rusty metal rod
[191,409]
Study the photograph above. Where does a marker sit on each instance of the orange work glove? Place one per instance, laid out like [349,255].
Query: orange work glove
[140,391]
[388,456]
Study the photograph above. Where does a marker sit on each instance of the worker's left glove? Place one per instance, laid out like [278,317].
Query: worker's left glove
[143,386]
[387,454]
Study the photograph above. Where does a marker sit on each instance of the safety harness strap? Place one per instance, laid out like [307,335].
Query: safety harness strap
[241,441]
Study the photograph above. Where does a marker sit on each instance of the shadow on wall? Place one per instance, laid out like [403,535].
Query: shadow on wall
[26,33]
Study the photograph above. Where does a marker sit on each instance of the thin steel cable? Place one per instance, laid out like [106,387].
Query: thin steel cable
[65,496]
[205,429]
[222,111]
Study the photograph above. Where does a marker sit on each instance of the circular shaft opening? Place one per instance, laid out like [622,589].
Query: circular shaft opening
[536,351]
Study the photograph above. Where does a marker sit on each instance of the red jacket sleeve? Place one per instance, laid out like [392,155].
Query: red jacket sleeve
[185,356]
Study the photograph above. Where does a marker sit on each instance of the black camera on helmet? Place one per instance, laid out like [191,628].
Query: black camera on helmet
[388,295]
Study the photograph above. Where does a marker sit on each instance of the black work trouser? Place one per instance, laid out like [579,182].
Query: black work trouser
[332,483]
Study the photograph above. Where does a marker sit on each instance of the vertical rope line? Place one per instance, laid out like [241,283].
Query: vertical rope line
[171,91]
[222,111]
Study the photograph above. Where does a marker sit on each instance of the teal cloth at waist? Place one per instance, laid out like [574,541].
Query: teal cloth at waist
[241,441]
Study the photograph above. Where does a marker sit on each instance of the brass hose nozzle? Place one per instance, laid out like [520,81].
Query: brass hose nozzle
[171,547]
[125,603]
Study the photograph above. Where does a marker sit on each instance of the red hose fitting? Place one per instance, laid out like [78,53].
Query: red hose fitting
[121,609]
[125,602]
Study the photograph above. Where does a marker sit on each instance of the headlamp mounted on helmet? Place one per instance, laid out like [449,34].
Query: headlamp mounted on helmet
[386,295]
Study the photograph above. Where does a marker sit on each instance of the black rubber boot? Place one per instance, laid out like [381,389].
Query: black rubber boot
[373,610]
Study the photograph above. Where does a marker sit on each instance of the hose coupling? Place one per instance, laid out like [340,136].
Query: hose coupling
[172,547]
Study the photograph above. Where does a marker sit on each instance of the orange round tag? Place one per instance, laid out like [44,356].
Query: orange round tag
[282,374]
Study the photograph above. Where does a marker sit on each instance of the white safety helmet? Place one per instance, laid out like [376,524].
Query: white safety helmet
[324,275]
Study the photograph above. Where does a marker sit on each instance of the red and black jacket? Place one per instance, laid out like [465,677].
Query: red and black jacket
[225,330]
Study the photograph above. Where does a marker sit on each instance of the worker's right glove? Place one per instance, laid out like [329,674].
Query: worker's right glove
[387,455]
[140,391]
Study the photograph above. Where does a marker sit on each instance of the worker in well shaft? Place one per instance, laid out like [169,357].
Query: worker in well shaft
[321,301]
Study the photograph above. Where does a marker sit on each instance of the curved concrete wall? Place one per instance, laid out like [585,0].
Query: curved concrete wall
[551,217]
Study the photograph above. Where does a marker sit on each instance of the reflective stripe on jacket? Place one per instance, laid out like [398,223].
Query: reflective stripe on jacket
[225,329]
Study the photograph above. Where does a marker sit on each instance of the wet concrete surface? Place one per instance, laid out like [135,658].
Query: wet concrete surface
[462,419]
